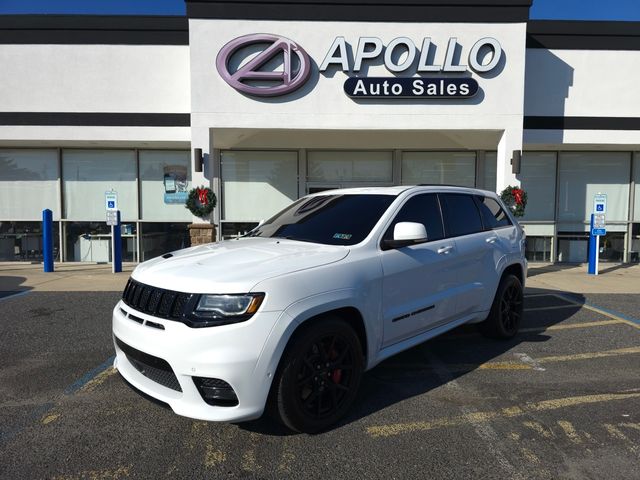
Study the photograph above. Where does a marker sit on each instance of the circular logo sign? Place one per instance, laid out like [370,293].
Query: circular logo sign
[271,83]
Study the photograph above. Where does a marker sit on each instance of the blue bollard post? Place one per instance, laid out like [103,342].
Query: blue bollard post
[117,245]
[47,239]
[593,250]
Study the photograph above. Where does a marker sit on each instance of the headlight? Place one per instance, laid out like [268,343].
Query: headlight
[223,309]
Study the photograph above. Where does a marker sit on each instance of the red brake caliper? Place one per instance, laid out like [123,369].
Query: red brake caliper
[336,375]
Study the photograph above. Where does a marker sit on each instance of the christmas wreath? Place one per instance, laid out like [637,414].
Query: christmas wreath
[515,198]
[201,201]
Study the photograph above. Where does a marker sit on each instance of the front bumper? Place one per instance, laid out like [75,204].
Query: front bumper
[240,354]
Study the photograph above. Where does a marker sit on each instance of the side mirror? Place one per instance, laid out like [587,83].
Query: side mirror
[410,231]
[404,234]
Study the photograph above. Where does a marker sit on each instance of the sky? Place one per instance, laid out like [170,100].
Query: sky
[541,9]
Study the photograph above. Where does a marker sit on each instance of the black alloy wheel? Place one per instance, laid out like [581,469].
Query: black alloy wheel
[511,308]
[319,376]
[506,311]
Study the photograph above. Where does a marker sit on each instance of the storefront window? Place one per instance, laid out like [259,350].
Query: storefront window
[256,185]
[573,248]
[636,179]
[584,174]
[159,238]
[28,183]
[165,180]
[88,174]
[538,178]
[91,242]
[22,241]
[345,167]
[452,168]
[538,249]
[490,171]
[634,253]
[612,247]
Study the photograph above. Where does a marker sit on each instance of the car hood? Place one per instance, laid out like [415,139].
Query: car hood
[234,266]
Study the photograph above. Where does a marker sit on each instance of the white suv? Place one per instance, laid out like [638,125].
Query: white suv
[293,313]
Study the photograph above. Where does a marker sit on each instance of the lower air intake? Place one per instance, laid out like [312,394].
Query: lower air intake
[153,368]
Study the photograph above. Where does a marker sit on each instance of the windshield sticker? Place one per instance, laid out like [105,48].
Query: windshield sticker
[342,236]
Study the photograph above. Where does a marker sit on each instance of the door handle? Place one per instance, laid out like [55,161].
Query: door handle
[445,250]
[491,239]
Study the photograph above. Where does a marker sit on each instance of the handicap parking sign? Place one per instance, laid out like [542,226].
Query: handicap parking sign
[600,203]
[111,201]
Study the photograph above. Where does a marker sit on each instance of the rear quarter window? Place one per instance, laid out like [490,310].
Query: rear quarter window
[492,213]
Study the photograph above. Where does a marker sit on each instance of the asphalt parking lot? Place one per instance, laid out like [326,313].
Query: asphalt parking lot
[561,400]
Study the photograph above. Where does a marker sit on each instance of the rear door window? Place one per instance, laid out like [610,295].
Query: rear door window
[424,209]
[461,216]
[493,215]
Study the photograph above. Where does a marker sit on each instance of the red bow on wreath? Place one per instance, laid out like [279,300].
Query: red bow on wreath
[202,195]
[517,195]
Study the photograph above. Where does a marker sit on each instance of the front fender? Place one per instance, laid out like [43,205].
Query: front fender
[327,302]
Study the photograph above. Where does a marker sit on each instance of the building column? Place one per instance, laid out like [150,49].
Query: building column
[203,231]
[511,140]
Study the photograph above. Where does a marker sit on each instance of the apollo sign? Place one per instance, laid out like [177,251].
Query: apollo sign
[278,82]
[400,55]
[370,48]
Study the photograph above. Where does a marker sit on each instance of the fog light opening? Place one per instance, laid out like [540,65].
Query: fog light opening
[216,392]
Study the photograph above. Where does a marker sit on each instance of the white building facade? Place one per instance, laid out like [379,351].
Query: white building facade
[282,101]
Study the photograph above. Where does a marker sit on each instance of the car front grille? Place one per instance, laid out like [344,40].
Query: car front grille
[156,301]
[153,368]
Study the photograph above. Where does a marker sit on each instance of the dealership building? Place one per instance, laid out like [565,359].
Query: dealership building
[264,102]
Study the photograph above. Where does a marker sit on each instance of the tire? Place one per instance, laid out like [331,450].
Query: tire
[506,311]
[318,377]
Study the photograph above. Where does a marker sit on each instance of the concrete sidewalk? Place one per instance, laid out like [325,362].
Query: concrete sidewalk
[81,277]
[67,277]
[574,278]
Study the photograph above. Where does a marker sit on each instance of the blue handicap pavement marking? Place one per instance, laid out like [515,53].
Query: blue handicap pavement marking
[41,410]
[87,377]
[577,299]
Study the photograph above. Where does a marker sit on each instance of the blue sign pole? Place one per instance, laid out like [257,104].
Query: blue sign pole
[117,245]
[47,239]
[593,250]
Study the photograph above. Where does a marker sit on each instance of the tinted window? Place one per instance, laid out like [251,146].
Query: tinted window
[422,209]
[460,214]
[327,219]
[492,214]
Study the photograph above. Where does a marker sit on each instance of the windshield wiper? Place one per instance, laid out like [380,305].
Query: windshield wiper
[298,239]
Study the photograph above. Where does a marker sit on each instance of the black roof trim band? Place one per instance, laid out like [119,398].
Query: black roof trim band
[583,27]
[94,29]
[96,119]
[583,35]
[465,11]
[581,123]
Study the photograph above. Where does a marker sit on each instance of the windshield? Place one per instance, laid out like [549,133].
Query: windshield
[327,219]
